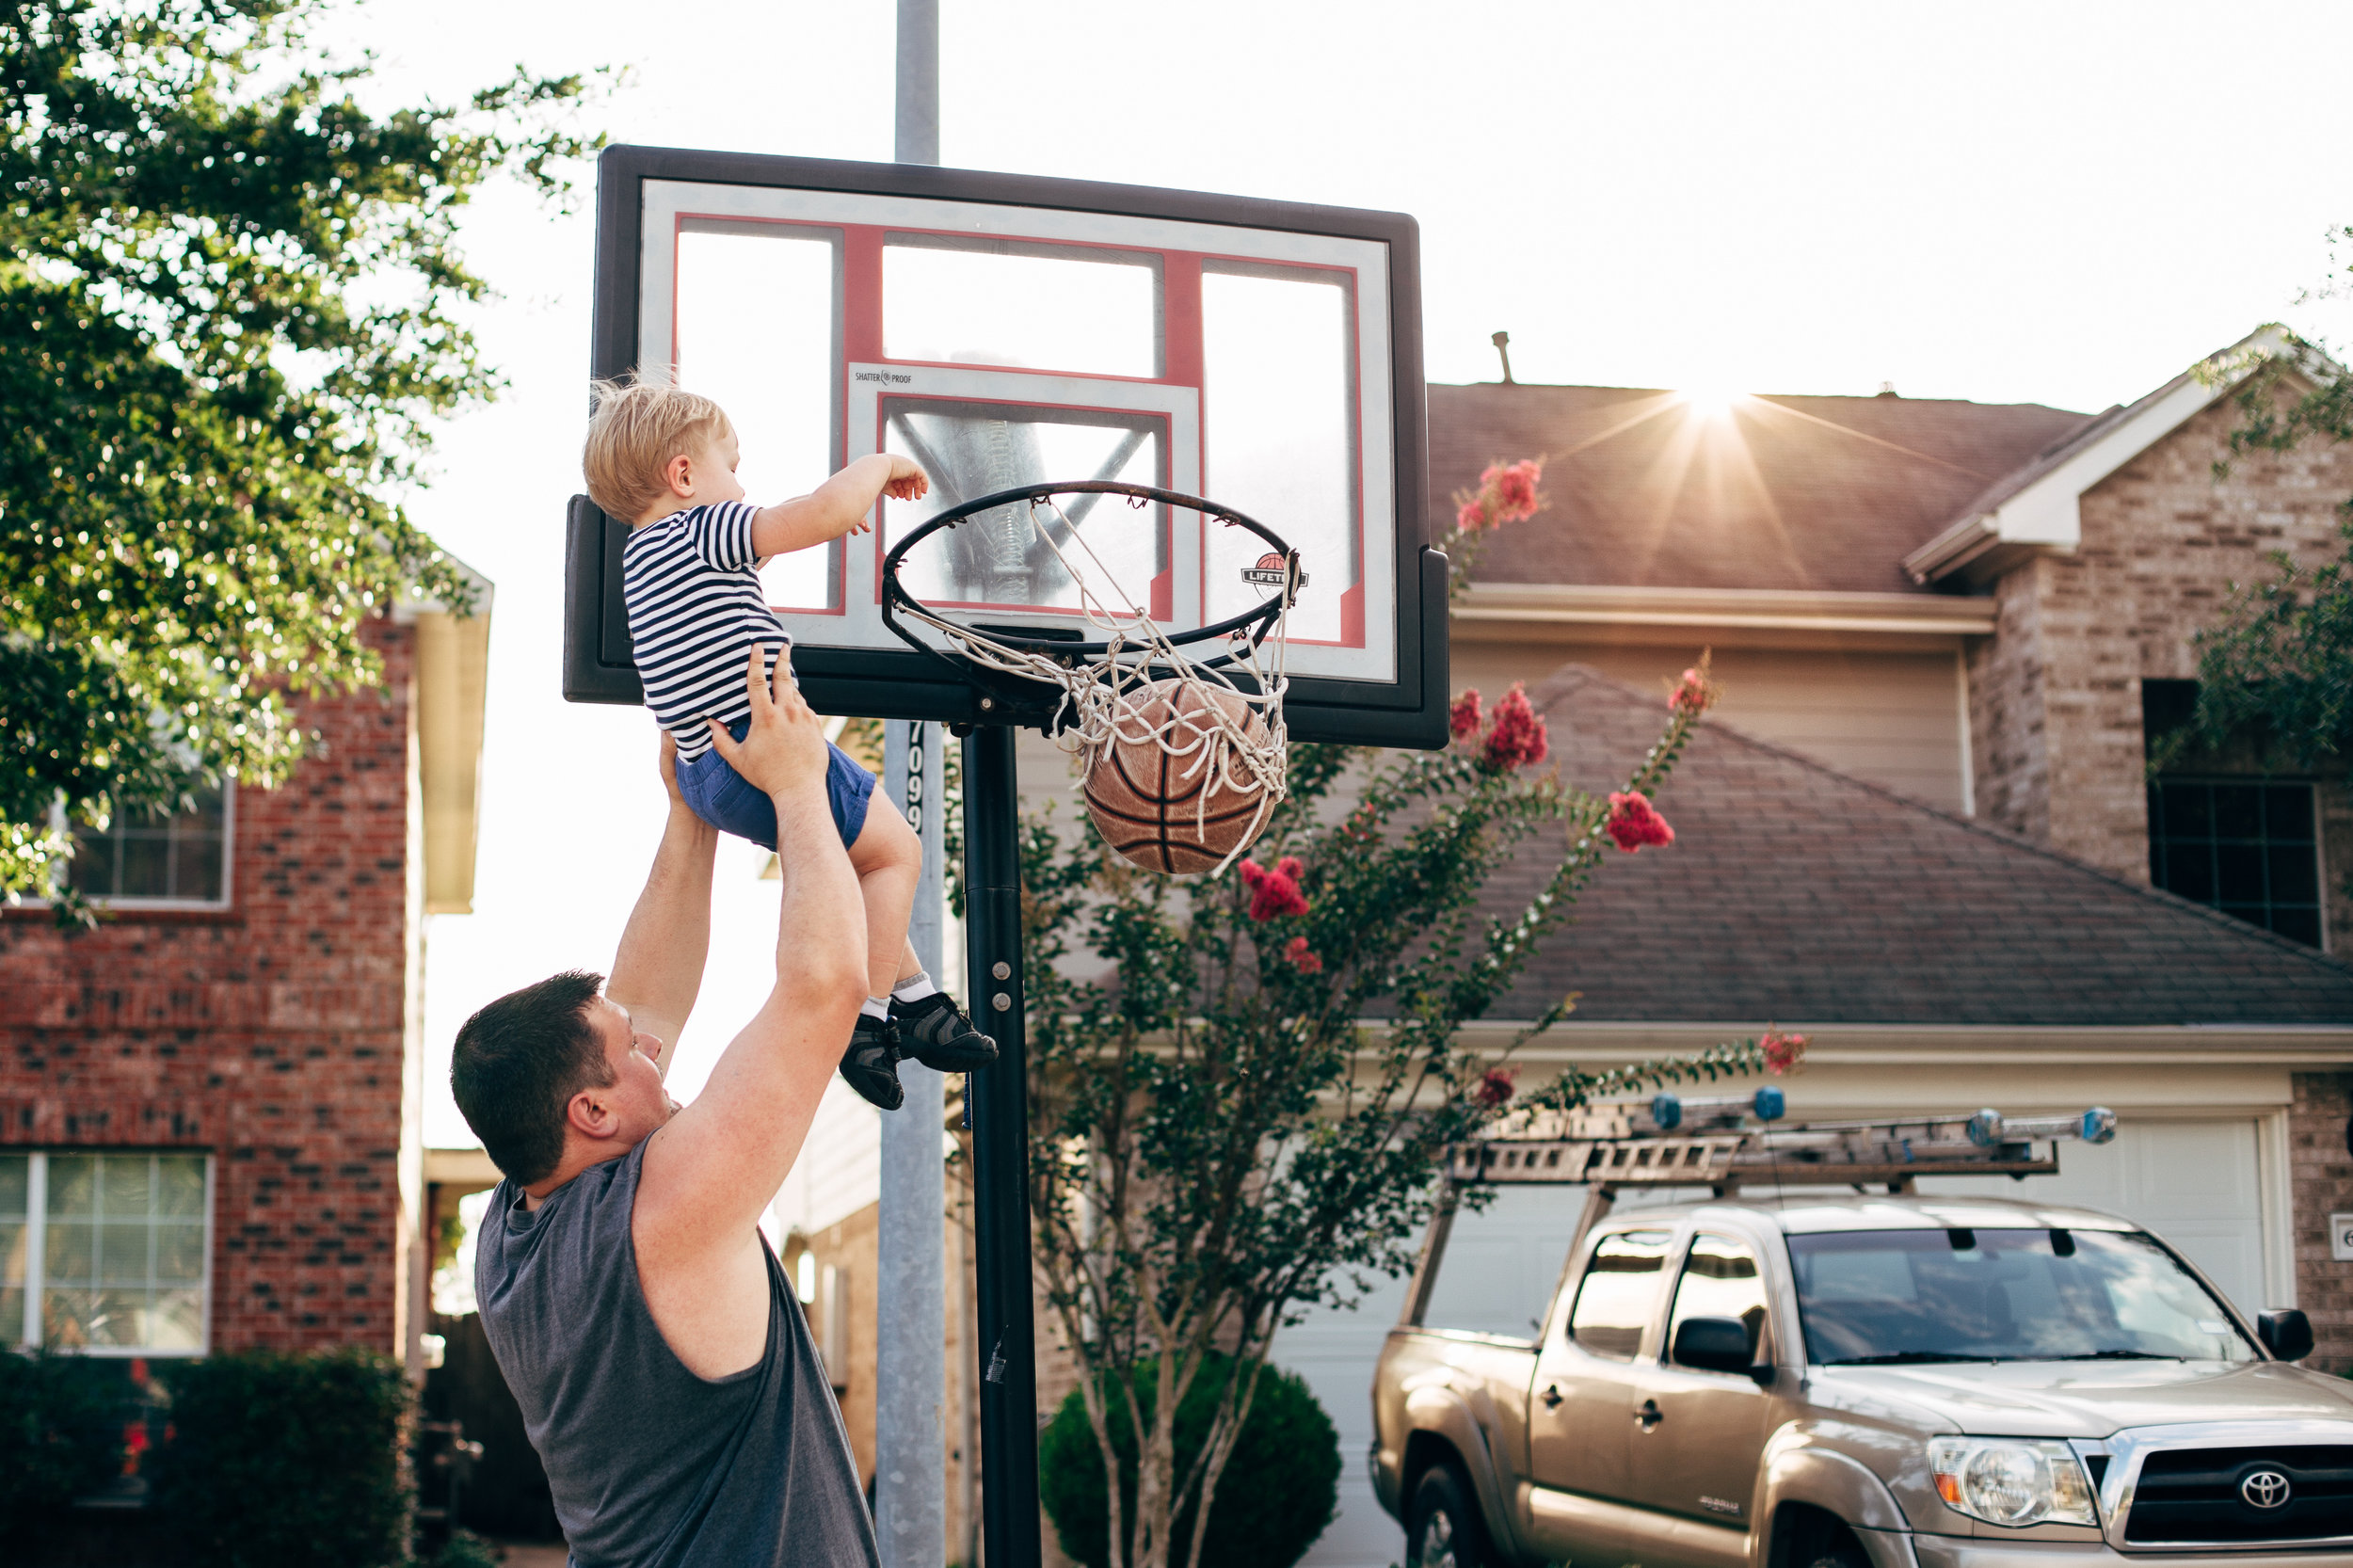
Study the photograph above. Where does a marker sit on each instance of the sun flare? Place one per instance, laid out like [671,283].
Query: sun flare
[1710,403]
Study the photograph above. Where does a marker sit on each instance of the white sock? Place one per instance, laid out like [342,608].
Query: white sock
[876,1007]
[914,988]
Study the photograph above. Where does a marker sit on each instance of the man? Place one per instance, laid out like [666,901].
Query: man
[665,1373]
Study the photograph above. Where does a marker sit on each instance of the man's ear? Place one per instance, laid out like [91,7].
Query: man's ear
[589,1115]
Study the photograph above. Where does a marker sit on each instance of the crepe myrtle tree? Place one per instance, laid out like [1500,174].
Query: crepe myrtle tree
[1218,1140]
[231,308]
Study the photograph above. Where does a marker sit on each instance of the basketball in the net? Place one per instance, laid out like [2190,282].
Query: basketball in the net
[1146,799]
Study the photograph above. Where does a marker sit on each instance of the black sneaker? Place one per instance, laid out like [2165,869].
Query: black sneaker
[872,1064]
[934,1033]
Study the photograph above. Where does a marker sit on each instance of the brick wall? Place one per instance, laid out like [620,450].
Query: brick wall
[2321,1174]
[272,1035]
[2055,692]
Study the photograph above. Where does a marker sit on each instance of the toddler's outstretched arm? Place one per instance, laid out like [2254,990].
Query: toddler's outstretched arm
[837,506]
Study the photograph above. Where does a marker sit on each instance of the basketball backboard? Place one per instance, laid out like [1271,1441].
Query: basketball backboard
[1004,330]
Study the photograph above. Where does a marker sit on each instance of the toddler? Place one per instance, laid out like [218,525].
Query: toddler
[663,460]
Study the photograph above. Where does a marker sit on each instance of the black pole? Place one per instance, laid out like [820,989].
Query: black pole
[997,1099]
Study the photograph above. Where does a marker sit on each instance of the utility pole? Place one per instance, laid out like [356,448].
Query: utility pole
[910,1339]
[911,1328]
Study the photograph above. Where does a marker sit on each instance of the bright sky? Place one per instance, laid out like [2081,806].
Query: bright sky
[2005,203]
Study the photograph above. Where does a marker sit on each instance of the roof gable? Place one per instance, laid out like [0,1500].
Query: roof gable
[1795,894]
[2038,507]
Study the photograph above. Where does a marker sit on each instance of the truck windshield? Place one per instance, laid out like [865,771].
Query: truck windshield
[1885,1297]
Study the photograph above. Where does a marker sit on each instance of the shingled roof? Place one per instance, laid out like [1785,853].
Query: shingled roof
[1795,894]
[1646,490]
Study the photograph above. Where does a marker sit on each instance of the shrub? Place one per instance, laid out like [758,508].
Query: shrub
[1277,1494]
[292,1460]
[59,1436]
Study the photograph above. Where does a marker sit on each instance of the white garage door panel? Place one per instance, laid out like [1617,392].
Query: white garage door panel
[2194,1183]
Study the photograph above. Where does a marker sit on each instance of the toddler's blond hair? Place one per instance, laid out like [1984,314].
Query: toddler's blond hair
[637,426]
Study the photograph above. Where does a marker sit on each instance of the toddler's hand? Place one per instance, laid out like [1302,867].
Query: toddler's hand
[906,482]
[784,750]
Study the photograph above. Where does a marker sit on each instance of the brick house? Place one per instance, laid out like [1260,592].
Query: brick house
[210,1134]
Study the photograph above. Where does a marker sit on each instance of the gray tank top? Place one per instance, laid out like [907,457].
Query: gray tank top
[652,1466]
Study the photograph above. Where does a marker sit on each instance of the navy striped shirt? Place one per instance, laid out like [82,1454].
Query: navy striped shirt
[695,608]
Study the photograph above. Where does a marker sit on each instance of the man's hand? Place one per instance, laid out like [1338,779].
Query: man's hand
[668,763]
[783,752]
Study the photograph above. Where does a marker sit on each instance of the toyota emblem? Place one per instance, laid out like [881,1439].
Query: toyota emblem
[2265,1489]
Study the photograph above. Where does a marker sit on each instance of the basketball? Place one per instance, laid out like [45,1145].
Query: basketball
[1146,795]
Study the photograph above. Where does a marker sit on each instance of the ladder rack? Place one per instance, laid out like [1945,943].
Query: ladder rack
[1724,1143]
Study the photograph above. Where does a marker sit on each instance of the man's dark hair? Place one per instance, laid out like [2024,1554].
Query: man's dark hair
[519,1061]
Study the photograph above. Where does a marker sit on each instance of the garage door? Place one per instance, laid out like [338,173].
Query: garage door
[2193,1183]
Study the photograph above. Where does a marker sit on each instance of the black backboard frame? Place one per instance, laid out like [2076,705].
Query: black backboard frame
[907,685]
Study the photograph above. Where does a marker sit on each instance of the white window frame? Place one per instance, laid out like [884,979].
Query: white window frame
[228,867]
[27,1336]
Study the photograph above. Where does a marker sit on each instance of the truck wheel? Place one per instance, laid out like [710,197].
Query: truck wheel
[1842,1550]
[1442,1529]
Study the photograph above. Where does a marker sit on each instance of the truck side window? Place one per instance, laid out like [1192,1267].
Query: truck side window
[1721,1279]
[1619,1293]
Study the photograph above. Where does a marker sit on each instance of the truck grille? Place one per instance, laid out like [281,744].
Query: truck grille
[2205,1494]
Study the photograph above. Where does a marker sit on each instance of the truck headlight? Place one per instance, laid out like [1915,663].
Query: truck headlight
[2013,1481]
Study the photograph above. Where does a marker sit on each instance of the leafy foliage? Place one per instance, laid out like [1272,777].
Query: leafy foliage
[1218,1139]
[287,1460]
[58,1436]
[2277,667]
[231,308]
[1283,1491]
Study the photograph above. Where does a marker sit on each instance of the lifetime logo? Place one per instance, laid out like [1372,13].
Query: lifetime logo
[1270,572]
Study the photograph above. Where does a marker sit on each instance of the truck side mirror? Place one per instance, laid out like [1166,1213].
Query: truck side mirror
[2287,1332]
[1713,1345]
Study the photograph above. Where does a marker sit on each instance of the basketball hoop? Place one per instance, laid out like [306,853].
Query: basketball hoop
[1162,734]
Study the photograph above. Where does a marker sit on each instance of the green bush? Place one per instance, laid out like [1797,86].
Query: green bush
[287,1460]
[59,1436]
[1277,1494]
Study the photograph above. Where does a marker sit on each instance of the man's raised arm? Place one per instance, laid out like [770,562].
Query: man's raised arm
[659,968]
[712,1170]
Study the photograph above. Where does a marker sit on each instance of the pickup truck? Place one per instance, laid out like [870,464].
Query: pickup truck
[1868,1382]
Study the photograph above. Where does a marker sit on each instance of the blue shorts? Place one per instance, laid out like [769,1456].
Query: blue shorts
[729,802]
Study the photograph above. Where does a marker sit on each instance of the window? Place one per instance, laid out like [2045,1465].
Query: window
[1620,1290]
[106,1252]
[1719,1280]
[149,857]
[2245,846]
[1894,1296]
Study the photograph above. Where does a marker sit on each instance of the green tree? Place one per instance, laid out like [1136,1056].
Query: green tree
[2276,669]
[232,309]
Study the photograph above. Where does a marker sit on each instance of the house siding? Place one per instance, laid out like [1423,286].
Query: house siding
[2320,1173]
[274,1035]
[2055,693]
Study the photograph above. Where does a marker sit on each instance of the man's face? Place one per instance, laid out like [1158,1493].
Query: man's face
[635,1097]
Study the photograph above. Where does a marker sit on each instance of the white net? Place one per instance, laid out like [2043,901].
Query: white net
[1142,690]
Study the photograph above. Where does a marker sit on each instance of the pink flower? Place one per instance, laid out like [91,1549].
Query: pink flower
[1519,737]
[1463,720]
[1635,824]
[1695,694]
[1783,1052]
[1472,516]
[1300,959]
[1495,1088]
[1276,892]
[1516,490]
